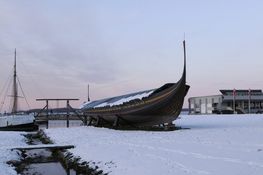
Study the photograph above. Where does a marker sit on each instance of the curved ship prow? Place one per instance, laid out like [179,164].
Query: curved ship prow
[142,109]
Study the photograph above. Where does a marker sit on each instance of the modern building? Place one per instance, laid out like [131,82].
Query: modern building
[228,102]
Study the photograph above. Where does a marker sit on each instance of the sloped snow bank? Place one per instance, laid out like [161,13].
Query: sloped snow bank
[216,145]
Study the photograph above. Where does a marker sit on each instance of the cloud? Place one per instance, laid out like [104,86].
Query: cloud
[58,42]
[57,47]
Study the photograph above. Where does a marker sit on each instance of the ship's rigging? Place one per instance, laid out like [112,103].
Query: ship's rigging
[16,84]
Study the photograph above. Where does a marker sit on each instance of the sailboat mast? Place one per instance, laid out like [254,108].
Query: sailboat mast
[88,93]
[15,93]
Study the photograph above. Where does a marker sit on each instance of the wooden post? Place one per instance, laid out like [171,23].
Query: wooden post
[67,113]
[47,114]
[116,122]
[68,171]
[85,120]
[97,121]
[90,121]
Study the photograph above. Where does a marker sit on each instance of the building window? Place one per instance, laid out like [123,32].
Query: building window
[214,105]
[245,105]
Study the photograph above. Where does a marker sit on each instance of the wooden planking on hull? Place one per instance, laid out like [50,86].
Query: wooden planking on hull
[163,105]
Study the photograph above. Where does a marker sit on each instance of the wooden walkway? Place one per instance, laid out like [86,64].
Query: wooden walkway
[44,146]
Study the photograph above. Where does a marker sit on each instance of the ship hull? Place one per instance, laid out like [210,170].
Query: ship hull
[151,112]
[18,122]
[161,106]
[22,127]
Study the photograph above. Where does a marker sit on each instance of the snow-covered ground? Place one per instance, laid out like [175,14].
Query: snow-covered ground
[216,145]
[9,140]
[219,144]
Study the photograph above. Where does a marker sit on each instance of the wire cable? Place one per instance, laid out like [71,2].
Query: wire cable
[5,85]
[6,92]
[23,92]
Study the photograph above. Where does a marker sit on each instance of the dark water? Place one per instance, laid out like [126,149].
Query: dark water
[42,162]
[61,124]
[52,168]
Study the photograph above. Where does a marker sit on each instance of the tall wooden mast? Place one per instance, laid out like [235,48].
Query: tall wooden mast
[184,57]
[15,93]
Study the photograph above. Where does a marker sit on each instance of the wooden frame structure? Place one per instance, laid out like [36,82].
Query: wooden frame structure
[69,108]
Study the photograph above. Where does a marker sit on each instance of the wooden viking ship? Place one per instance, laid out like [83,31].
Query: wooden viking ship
[147,108]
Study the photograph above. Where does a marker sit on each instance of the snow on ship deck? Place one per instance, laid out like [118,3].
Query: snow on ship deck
[114,101]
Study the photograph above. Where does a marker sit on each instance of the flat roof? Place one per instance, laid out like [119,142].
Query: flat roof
[240,90]
[218,95]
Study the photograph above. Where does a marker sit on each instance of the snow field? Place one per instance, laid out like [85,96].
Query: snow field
[9,140]
[214,144]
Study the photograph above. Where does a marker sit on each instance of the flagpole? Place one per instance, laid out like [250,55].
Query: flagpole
[249,101]
[234,101]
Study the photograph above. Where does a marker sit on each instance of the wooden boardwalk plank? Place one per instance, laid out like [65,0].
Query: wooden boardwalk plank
[44,146]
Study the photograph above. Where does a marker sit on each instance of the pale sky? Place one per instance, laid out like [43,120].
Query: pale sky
[123,46]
